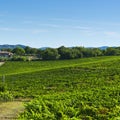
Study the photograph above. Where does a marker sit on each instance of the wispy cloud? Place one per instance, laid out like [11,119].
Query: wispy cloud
[51,25]
[107,23]
[37,23]
[33,31]
[85,21]
[37,31]
[72,27]
[63,19]
[8,29]
[112,34]
[80,27]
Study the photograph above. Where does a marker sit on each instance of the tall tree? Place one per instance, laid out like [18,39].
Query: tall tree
[50,54]
[112,51]
[18,51]
[27,50]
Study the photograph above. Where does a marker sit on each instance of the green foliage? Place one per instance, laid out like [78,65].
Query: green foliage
[19,58]
[50,54]
[64,52]
[31,51]
[68,106]
[67,89]
[6,96]
[27,50]
[3,87]
[112,51]
[18,51]
[2,59]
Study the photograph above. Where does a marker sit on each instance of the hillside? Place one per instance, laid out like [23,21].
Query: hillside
[17,67]
[66,89]
[6,46]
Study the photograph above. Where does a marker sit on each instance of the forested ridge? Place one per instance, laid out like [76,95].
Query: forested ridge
[60,53]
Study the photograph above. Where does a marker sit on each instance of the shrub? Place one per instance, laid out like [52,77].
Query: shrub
[6,96]
[19,58]
[3,87]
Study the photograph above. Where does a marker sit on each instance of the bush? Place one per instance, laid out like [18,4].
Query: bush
[3,87]
[6,96]
[2,59]
[19,58]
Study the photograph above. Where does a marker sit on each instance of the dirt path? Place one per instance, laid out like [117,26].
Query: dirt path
[10,110]
[1,63]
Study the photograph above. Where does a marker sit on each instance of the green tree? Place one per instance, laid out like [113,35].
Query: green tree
[27,50]
[96,52]
[39,53]
[50,54]
[78,51]
[7,49]
[112,51]
[70,53]
[18,51]
[65,53]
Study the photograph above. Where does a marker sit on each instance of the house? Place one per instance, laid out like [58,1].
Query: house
[5,54]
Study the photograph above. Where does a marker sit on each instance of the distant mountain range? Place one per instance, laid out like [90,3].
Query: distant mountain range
[5,46]
[102,47]
[42,48]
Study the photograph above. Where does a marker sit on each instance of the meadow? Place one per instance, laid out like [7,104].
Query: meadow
[79,89]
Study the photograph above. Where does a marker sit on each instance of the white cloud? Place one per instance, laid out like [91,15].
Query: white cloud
[81,28]
[112,34]
[7,29]
[65,27]
[37,31]
[34,31]
[84,21]
[50,25]
[64,19]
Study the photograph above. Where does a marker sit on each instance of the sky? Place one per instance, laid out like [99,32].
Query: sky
[55,23]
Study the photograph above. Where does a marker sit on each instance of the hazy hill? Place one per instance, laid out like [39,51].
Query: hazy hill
[11,46]
[42,48]
[103,47]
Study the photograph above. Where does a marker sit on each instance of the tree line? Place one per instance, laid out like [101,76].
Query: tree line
[64,52]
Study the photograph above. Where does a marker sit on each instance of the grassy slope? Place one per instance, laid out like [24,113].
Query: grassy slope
[100,76]
[10,68]
[34,78]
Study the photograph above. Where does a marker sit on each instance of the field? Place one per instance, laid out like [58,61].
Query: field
[80,89]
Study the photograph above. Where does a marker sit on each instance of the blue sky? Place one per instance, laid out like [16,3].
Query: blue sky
[54,23]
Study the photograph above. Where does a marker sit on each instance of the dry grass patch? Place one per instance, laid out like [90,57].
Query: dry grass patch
[10,110]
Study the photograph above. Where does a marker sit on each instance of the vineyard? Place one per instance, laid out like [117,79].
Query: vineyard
[79,89]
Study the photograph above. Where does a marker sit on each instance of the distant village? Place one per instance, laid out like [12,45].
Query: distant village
[6,54]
